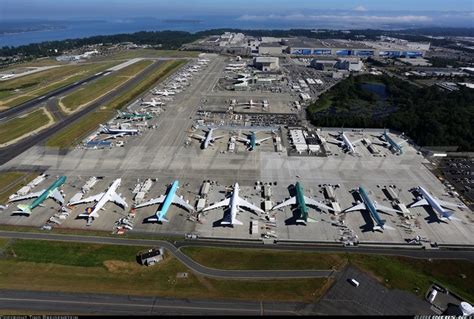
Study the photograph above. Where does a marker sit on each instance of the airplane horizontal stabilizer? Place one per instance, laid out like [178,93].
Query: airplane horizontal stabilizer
[152,219]
[24,210]
[312,220]
[422,202]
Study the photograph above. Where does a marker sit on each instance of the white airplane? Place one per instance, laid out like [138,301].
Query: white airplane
[164,92]
[233,202]
[426,199]
[117,132]
[101,199]
[250,103]
[346,143]
[252,141]
[208,139]
[153,103]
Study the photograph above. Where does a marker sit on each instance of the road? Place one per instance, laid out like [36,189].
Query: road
[90,304]
[188,262]
[10,152]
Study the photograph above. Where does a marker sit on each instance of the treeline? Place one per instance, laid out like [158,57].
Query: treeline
[168,40]
[430,116]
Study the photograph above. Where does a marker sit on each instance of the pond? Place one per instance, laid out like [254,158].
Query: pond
[376,88]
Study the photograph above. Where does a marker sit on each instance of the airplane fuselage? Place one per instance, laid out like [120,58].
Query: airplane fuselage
[208,139]
[348,143]
[253,141]
[394,145]
[38,201]
[234,208]
[301,202]
[105,198]
[432,201]
[160,213]
[371,208]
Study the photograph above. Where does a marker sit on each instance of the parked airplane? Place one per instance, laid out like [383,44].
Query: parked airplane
[51,192]
[233,202]
[163,92]
[252,141]
[134,115]
[426,199]
[346,143]
[250,103]
[166,201]
[117,132]
[391,144]
[372,207]
[101,199]
[301,201]
[153,103]
[208,139]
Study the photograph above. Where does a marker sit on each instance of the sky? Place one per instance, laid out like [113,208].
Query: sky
[393,11]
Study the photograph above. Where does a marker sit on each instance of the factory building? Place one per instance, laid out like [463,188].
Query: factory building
[350,64]
[270,49]
[266,64]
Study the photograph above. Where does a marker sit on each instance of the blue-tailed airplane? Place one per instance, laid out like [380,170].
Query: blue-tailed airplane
[426,199]
[391,144]
[51,192]
[301,201]
[252,141]
[166,201]
[372,207]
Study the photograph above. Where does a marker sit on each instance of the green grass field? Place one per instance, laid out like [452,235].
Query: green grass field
[22,89]
[94,90]
[394,272]
[85,268]
[20,126]
[233,258]
[10,182]
[77,131]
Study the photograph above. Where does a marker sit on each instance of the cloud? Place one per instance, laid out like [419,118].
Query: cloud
[346,18]
[360,9]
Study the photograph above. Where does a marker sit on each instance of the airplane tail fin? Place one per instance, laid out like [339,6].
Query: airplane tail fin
[24,210]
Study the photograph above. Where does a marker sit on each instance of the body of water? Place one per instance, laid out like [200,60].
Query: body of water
[376,88]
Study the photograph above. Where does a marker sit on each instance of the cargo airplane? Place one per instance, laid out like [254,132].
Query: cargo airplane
[101,199]
[301,201]
[166,201]
[233,202]
[372,207]
[51,192]
[208,139]
[426,199]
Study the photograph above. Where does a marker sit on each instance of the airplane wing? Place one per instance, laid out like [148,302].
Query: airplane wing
[243,202]
[114,136]
[360,206]
[242,139]
[217,137]
[181,202]
[56,195]
[153,201]
[199,137]
[224,202]
[118,200]
[357,141]
[385,209]
[422,202]
[313,202]
[335,142]
[31,195]
[260,141]
[291,201]
[448,204]
[94,198]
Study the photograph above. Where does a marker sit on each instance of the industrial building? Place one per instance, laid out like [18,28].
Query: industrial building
[270,49]
[350,64]
[266,64]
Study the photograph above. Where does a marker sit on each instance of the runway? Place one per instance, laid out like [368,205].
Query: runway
[10,152]
[105,304]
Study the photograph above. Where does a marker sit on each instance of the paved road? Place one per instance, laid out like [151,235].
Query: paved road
[10,152]
[89,304]
[191,264]
[14,111]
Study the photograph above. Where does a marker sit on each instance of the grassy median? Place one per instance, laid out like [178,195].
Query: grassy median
[22,89]
[77,131]
[92,91]
[25,124]
[70,267]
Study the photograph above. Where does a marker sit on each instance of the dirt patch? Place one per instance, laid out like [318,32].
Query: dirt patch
[122,267]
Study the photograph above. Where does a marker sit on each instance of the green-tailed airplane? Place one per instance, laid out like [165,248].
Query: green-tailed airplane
[133,116]
[301,201]
[51,192]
